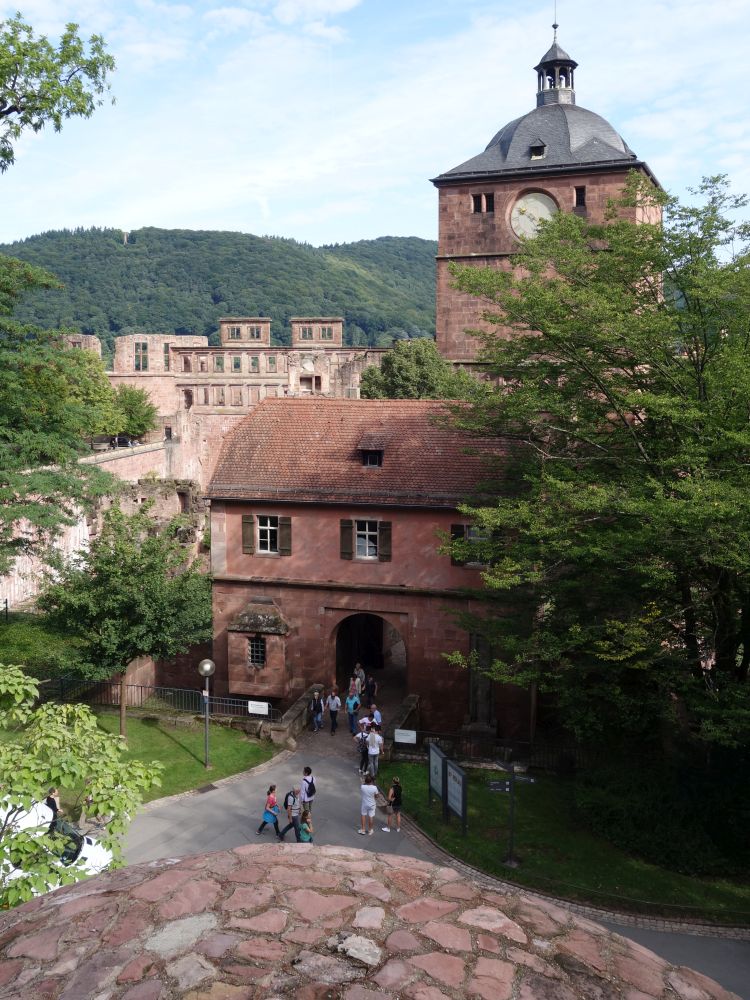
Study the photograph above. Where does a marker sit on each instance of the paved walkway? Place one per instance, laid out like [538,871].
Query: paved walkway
[227,814]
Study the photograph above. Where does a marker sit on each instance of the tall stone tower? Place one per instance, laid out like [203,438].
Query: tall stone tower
[558,157]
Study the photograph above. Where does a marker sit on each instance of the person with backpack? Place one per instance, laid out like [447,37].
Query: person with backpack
[308,789]
[293,806]
[394,805]
[270,813]
[360,740]
[316,712]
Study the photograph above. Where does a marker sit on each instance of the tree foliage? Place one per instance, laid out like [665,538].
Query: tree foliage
[45,84]
[60,746]
[415,369]
[51,400]
[178,281]
[133,593]
[623,566]
[136,414]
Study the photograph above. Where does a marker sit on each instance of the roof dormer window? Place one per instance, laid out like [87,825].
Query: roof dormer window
[537,150]
[371,448]
[372,457]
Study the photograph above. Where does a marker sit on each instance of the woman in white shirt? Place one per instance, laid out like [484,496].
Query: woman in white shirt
[369,793]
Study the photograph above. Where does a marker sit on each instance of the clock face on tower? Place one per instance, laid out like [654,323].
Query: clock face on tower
[529,211]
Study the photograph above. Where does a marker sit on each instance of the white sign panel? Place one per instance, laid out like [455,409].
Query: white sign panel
[405,736]
[257,707]
[455,792]
[436,769]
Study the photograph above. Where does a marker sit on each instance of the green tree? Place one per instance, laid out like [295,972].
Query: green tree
[46,412]
[41,83]
[415,369]
[135,413]
[622,568]
[92,390]
[61,746]
[133,593]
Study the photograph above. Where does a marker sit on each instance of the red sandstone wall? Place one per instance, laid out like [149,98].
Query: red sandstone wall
[132,464]
[315,548]
[485,239]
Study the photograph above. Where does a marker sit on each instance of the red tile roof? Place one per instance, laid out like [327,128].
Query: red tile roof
[309,449]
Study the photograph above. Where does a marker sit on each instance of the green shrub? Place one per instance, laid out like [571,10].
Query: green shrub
[681,816]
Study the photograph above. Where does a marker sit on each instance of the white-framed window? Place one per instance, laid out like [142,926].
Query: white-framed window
[306,333]
[256,651]
[268,533]
[366,539]
[235,333]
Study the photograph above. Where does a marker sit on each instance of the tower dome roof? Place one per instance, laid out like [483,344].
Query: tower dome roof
[556,136]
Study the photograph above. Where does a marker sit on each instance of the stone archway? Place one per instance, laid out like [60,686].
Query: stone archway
[378,645]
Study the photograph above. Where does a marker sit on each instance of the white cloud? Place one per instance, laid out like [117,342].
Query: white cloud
[293,11]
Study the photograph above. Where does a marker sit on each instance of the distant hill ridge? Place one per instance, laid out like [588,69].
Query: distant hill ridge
[182,281]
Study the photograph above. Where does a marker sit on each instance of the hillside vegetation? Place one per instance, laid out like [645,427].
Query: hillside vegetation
[182,281]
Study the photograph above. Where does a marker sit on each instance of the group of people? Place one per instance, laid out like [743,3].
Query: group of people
[362,691]
[298,803]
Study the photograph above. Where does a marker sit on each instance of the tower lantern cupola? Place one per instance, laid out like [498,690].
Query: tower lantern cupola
[555,75]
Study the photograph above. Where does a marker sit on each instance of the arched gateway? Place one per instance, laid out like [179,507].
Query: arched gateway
[372,641]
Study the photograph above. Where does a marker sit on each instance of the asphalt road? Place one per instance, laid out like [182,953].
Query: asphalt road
[228,815]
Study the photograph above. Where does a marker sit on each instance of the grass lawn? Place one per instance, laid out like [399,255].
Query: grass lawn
[559,857]
[180,749]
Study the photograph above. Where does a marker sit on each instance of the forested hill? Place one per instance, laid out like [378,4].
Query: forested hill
[182,281]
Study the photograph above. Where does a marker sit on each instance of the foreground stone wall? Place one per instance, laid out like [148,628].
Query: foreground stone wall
[318,922]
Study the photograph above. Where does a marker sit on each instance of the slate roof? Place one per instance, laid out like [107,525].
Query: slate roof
[574,137]
[290,450]
[556,54]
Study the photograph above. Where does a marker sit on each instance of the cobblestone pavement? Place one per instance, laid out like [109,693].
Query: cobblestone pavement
[266,921]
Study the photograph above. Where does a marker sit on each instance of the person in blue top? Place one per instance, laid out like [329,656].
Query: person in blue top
[352,707]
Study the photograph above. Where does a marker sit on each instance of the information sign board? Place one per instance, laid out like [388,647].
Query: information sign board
[455,800]
[405,736]
[257,708]
[437,772]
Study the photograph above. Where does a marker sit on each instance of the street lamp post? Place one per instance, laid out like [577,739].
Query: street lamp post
[205,669]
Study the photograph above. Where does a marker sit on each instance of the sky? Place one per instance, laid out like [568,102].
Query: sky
[323,120]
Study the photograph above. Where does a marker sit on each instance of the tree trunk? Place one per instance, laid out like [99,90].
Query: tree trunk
[691,628]
[123,704]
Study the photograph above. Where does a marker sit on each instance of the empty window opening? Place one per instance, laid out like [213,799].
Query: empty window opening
[218,362]
[254,332]
[187,365]
[236,363]
[254,363]
[203,364]
[204,392]
[141,356]
[220,396]
[235,333]
[306,333]
[537,151]
[271,363]
[326,333]
[166,357]
[476,203]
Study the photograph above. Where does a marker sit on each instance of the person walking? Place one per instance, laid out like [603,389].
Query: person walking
[333,704]
[374,749]
[375,714]
[270,813]
[394,806]
[360,675]
[308,789]
[352,707]
[306,828]
[368,794]
[316,712]
[360,740]
[293,806]
[371,690]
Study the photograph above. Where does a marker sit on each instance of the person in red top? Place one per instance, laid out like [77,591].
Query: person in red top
[270,813]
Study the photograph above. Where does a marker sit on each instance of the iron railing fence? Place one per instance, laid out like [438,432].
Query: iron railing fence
[547,755]
[164,700]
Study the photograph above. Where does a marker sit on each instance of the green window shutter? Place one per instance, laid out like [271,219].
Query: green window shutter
[248,534]
[346,538]
[458,533]
[285,536]
[384,541]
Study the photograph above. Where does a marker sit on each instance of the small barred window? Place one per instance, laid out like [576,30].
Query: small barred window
[256,652]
